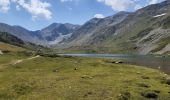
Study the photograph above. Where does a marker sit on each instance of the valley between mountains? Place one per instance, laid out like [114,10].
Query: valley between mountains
[145,31]
[125,56]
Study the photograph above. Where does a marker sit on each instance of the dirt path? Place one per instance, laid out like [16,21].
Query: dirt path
[14,62]
[21,60]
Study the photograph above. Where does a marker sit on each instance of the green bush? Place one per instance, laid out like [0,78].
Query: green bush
[150,95]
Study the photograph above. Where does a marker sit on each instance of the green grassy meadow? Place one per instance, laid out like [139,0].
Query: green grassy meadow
[78,78]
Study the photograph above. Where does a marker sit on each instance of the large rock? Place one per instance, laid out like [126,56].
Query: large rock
[1,52]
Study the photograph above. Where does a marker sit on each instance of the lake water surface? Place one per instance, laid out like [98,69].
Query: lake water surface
[157,62]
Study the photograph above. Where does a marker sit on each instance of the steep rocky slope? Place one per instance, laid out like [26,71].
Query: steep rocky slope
[52,34]
[19,32]
[144,31]
[57,32]
[11,41]
[94,27]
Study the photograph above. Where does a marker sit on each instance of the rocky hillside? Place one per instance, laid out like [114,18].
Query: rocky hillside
[57,32]
[52,34]
[8,39]
[21,33]
[91,28]
[145,31]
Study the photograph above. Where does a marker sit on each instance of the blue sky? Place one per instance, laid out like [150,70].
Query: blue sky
[37,14]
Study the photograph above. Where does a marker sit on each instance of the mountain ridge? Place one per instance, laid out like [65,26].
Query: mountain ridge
[40,37]
[140,32]
[144,31]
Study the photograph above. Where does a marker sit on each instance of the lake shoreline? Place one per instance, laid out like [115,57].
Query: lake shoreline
[159,62]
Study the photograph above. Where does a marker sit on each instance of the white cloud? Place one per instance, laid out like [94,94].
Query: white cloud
[138,7]
[4,6]
[99,16]
[36,8]
[123,5]
[155,1]
[119,5]
[18,8]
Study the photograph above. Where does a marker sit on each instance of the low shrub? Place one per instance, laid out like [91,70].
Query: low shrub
[150,95]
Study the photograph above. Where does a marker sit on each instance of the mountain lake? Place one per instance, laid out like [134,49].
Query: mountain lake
[157,62]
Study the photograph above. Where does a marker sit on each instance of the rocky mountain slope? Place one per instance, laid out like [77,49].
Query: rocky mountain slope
[18,31]
[7,39]
[56,32]
[91,28]
[52,34]
[145,31]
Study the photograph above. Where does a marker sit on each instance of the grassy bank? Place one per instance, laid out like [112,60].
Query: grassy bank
[77,78]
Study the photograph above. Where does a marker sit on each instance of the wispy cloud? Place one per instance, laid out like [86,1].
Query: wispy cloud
[118,5]
[40,8]
[37,8]
[4,6]
[123,5]
[155,1]
[99,16]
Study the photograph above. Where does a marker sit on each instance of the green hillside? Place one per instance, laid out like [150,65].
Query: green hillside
[8,47]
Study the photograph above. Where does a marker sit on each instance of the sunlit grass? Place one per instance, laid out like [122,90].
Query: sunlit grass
[77,78]
[4,46]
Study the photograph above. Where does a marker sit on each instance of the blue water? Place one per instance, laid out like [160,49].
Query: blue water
[157,62]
